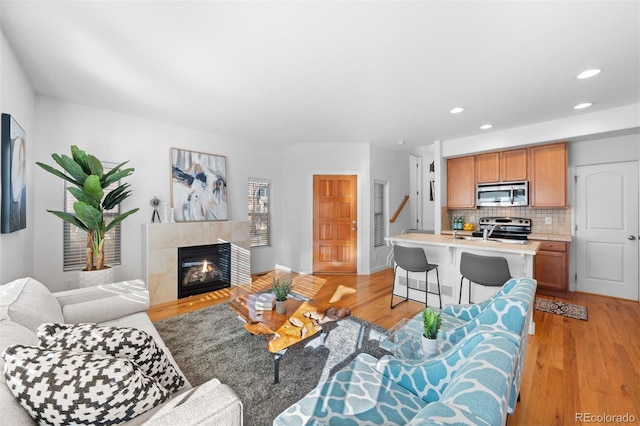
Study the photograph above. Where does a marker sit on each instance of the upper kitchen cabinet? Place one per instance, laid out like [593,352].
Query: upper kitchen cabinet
[548,175]
[505,166]
[461,182]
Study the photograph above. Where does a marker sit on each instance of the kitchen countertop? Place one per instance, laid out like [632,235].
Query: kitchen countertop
[550,237]
[532,236]
[447,241]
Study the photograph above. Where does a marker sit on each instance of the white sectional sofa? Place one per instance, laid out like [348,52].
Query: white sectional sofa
[26,304]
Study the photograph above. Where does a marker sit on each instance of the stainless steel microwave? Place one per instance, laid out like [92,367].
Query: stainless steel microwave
[502,194]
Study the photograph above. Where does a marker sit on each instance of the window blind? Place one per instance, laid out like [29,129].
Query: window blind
[258,199]
[379,230]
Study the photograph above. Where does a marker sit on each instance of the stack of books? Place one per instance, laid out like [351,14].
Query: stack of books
[265,302]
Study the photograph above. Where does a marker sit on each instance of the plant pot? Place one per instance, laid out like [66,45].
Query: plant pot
[429,346]
[281,307]
[94,278]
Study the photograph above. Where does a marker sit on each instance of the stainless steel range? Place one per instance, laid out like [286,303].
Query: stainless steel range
[513,228]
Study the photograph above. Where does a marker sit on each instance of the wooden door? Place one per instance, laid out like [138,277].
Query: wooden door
[335,227]
[607,229]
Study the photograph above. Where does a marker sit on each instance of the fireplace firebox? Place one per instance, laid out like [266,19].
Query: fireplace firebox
[202,269]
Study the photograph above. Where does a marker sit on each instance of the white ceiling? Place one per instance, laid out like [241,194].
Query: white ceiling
[296,72]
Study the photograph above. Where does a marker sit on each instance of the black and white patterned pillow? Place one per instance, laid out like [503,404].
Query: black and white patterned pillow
[63,387]
[122,342]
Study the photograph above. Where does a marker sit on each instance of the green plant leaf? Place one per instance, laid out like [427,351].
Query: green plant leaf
[116,197]
[68,217]
[91,216]
[116,174]
[80,195]
[71,167]
[80,157]
[93,188]
[58,173]
[119,219]
[95,166]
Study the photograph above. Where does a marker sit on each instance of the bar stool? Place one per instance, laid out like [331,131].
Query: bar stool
[488,271]
[414,259]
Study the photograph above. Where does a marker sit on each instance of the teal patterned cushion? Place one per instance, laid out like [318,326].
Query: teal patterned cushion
[469,312]
[504,312]
[357,394]
[429,378]
[479,391]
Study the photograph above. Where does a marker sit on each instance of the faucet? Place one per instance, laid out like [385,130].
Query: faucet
[487,233]
[455,233]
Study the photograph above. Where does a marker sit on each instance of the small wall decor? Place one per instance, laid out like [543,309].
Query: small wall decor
[13,215]
[198,186]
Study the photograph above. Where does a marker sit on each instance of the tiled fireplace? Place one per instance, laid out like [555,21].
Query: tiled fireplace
[160,252]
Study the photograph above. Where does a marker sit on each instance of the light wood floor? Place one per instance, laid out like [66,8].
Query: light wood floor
[573,367]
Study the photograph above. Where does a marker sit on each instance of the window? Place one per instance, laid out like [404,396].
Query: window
[259,213]
[75,239]
[379,210]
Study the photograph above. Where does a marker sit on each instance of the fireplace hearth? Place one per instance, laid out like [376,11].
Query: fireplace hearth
[202,269]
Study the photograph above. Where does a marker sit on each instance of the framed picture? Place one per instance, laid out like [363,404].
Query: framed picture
[198,186]
[13,214]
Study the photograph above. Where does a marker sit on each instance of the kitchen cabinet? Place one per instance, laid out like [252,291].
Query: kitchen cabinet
[461,182]
[488,167]
[513,165]
[505,166]
[550,268]
[548,175]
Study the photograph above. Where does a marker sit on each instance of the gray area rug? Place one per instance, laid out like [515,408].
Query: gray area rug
[561,308]
[212,342]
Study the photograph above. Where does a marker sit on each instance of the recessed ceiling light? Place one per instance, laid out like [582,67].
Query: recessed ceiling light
[456,110]
[589,73]
[486,126]
[583,105]
[400,142]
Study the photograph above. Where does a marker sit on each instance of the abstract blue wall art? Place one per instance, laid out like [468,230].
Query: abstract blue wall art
[13,214]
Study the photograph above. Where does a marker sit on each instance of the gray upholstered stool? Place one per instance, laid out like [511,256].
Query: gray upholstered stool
[488,271]
[414,259]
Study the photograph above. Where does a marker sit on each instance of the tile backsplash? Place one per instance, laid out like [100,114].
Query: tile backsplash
[560,218]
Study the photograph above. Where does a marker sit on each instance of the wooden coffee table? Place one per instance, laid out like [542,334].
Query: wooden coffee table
[278,329]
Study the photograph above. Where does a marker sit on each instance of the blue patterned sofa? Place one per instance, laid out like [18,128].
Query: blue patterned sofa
[475,379]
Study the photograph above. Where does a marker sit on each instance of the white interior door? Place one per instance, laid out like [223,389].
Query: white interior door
[607,229]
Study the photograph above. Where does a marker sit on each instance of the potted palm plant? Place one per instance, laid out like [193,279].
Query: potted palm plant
[281,290]
[431,322]
[88,183]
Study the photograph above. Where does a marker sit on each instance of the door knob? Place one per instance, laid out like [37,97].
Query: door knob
[631,237]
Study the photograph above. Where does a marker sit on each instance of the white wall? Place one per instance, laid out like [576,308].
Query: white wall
[570,128]
[393,168]
[146,144]
[299,164]
[17,98]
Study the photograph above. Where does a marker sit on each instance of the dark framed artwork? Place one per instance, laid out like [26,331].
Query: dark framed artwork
[198,186]
[13,214]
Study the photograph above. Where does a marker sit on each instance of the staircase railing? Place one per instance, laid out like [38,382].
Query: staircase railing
[395,216]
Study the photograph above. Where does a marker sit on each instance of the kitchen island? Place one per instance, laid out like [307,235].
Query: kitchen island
[445,250]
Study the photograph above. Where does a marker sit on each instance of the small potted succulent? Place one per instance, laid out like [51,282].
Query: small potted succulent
[281,290]
[431,322]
